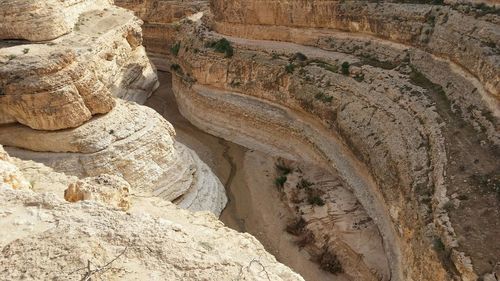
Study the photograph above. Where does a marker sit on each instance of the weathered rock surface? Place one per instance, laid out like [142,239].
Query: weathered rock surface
[131,141]
[45,237]
[43,20]
[110,190]
[161,25]
[10,176]
[64,82]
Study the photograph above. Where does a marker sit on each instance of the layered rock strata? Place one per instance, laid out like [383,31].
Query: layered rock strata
[162,19]
[132,142]
[387,117]
[58,106]
[43,236]
[62,83]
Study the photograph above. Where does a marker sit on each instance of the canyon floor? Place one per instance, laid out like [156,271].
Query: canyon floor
[254,203]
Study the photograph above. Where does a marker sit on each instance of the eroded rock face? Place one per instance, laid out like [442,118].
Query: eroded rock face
[131,141]
[153,240]
[64,82]
[110,190]
[59,106]
[161,25]
[401,111]
[10,176]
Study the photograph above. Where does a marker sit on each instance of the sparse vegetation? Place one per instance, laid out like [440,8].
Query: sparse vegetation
[283,168]
[315,200]
[323,97]
[304,184]
[26,50]
[175,48]
[296,227]
[345,68]
[329,261]
[222,46]
[299,57]
[176,68]
[11,57]
[280,181]
[289,68]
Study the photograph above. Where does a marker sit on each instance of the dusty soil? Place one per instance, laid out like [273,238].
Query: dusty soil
[254,203]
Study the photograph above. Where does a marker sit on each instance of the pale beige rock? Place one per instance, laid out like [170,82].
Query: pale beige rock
[108,189]
[131,141]
[155,240]
[10,176]
[62,83]
[36,20]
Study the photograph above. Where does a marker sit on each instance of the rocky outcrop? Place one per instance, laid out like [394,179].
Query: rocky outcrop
[132,142]
[64,82]
[110,190]
[162,19]
[10,176]
[59,106]
[43,235]
[386,117]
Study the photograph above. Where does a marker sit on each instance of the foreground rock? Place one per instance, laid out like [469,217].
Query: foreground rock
[45,237]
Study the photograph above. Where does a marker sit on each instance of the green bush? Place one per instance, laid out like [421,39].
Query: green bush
[345,68]
[324,98]
[280,181]
[289,68]
[175,48]
[222,46]
[315,200]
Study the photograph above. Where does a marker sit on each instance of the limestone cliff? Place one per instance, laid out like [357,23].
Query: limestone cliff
[398,116]
[162,19]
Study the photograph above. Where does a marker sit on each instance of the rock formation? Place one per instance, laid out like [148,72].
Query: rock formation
[42,236]
[399,99]
[59,105]
[162,19]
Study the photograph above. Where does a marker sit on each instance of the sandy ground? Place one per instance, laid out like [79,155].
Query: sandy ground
[254,204]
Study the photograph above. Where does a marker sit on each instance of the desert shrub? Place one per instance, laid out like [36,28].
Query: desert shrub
[289,68]
[305,239]
[315,200]
[175,48]
[177,68]
[280,181]
[329,261]
[283,168]
[222,46]
[299,56]
[324,98]
[296,227]
[303,183]
[345,68]
[26,50]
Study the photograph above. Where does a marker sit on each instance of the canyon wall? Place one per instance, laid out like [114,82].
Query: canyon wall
[161,24]
[398,116]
